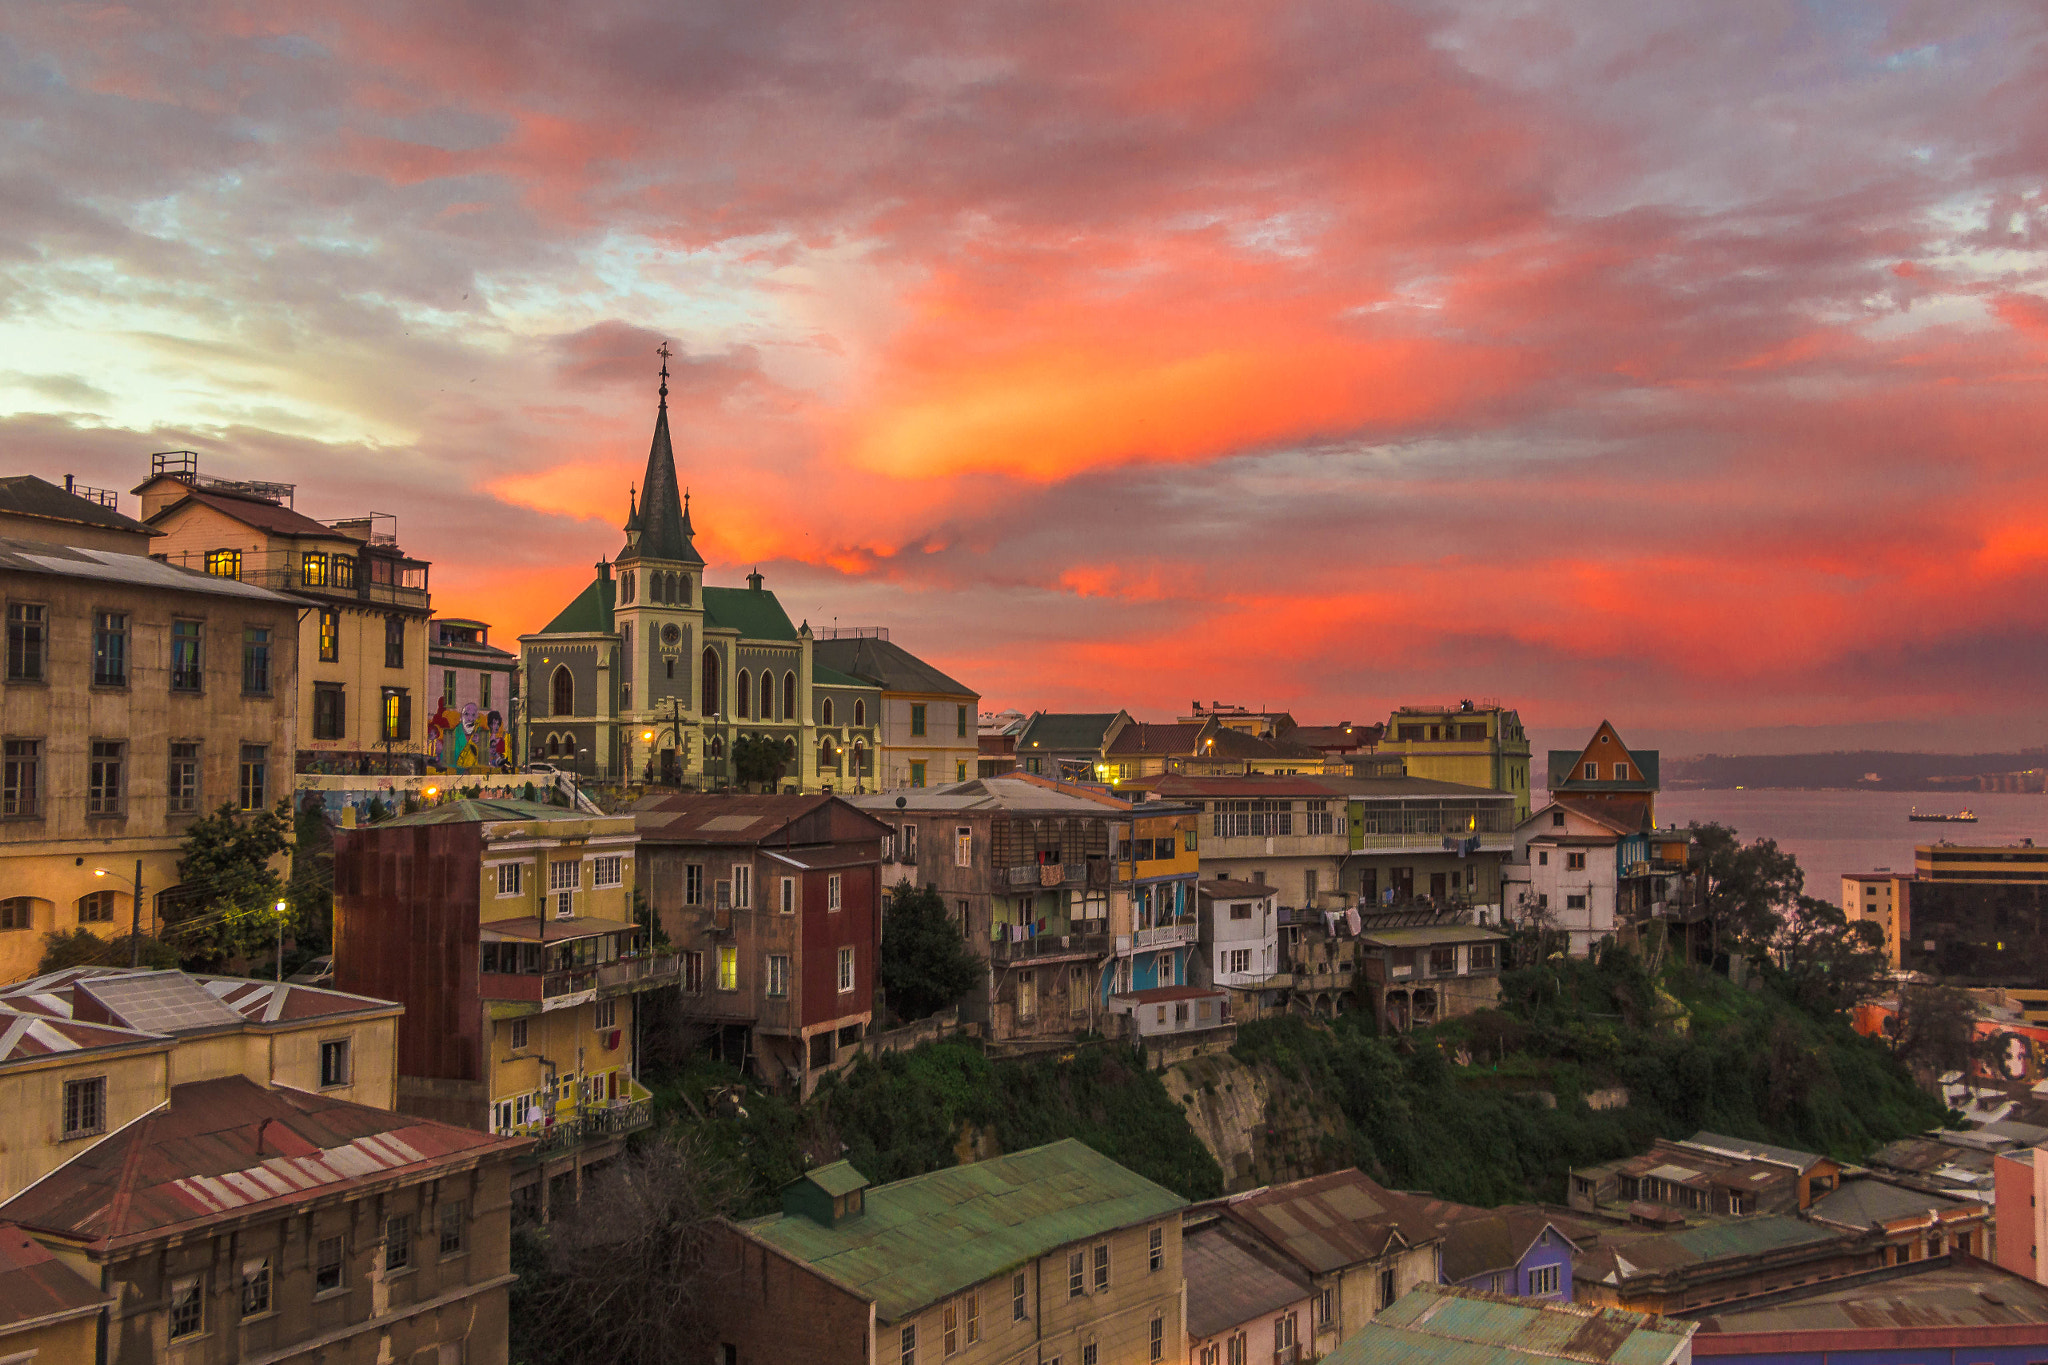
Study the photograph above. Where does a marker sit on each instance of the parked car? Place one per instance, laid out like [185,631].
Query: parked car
[318,972]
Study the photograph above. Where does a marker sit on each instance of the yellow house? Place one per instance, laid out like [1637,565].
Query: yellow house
[1475,746]
[363,700]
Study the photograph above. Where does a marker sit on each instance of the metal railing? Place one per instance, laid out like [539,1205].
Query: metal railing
[573,982]
[1051,945]
[588,1124]
[1165,934]
[655,969]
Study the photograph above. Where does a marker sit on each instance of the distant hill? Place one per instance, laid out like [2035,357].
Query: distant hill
[1867,769]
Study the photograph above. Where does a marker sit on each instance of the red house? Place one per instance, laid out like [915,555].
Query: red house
[774,903]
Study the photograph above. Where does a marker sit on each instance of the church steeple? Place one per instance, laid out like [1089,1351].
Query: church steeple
[665,531]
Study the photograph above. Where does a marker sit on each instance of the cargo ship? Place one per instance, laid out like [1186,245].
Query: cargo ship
[1935,817]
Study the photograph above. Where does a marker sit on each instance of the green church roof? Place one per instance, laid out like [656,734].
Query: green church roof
[753,612]
[589,614]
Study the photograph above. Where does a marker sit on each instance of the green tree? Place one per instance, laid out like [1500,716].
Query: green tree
[1750,887]
[759,758]
[84,948]
[229,888]
[1828,962]
[1933,1028]
[926,963]
[311,890]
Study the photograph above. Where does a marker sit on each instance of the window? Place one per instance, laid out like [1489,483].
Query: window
[788,901]
[909,1343]
[398,1241]
[1283,1333]
[1574,902]
[1237,960]
[1077,1275]
[256,660]
[1443,961]
[963,846]
[860,711]
[960,729]
[21,778]
[1592,772]
[832,892]
[1326,1308]
[1575,862]
[693,883]
[18,912]
[789,702]
[693,972]
[518,1035]
[1102,1267]
[255,1287]
[1088,1354]
[1017,1313]
[26,638]
[187,1311]
[394,642]
[452,1226]
[185,674]
[1156,1247]
[565,874]
[342,568]
[562,691]
[973,1318]
[327,1266]
[448,686]
[85,1107]
[607,871]
[1310,884]
[330,635]
[182,790]
[778,976]
[224,563]
[845,970]
[960,771]
[949,1329]
[742,886]
[96,907]
[330,710]
[1543,1280]
[508,878]
[1320,819]
[1543,859]
[743,695]
[728,968]
[109,649]
[906,844]
[1386,1287]
[917,767]
[1241,910]
[483,688]
[103,789]
[1482,957]
[255,775]
[917,718]
[1621,772]
[604,1015]
[313,569]
[1557,819]
[1158,1337]
[334,1062]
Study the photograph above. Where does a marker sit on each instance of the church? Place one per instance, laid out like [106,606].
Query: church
[652,676]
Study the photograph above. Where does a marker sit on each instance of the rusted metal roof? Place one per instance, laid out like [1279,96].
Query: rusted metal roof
[1232,1279]
[228,1145]
[168,1003]
[1948,1292]
[1330,1221]
[1444,1325]
[34,1285]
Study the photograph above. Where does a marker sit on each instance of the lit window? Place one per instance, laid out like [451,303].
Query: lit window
[313,569]
[728,968]
[224,563]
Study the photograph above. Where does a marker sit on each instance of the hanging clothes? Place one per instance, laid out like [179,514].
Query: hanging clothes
[1351,916]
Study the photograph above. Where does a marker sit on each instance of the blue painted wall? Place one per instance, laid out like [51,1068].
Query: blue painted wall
[1553,1250]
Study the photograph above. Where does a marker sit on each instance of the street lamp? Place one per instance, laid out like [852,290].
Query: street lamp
[135,921]
[280,942]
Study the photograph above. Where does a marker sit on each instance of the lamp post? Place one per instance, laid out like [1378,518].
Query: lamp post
[280,942]
[135,919]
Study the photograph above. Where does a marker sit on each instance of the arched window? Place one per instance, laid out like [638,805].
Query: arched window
[789,696]
[671,662]
[742,700]
[860,711]
[562,690]
[626,586]
[97,907]
[718,746]
[710,682]
[825,711]
[554,746]
[18,912]
[828,754]
[683,591]
[668,588]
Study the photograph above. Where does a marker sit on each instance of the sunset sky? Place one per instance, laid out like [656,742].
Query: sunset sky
[1680,363]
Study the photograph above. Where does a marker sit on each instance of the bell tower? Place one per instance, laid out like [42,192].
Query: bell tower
[658,609]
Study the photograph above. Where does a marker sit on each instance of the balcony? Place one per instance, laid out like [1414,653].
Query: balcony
[1050,946]
[561,990]
[593,1123]
[639,973]
[1287,1355]
[1165,935]
[1432,841]
[1059,874]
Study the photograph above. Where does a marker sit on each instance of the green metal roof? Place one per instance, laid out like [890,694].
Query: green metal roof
[838,1178]
[832,677]
[589,614]
[754,613]
[934,1235]
[1749,1236]
[1066,730]
[1442,1325]
[468,812]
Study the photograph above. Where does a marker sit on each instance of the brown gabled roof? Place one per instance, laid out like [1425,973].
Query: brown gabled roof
[1330,1221]
[1228,743]
[37,1287]
[725,818]
[1623,817]
[25,495]
[266,516]
[1140,737]
[1234,1278]
[224,1147]
[1482,1241]
[1223,888]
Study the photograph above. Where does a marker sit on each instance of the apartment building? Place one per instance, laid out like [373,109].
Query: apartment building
[1245,1301]
[139,696]
[1470,744]
[1289,833]
[1053,1253]
[506,929]
[1067,745]
[1976,914]
[774,904]
[473,727]
[1875,896]
[1417,975]
[930,723]
[1239,934]
[1416,839]
[361,651]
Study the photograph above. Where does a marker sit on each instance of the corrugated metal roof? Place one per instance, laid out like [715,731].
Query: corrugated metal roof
[921,1239]
[1870,1202]
[34,1284]
[137,571]
[1441,1325]
[1424,936]
[1230,1282]
[1755,1151]
[887,665]
[1329,1221]
[1923,1294]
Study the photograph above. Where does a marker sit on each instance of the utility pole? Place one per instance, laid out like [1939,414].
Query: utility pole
[135,921]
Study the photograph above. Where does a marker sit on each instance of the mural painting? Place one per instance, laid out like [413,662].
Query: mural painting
[467,741]
[2005,1053]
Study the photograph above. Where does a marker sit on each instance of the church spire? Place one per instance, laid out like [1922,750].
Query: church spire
[664,528]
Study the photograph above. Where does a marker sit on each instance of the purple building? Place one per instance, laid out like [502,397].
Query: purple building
[1514,1250]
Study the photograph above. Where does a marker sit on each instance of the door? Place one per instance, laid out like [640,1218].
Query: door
[671,774]
[1404,883]
[1437,885]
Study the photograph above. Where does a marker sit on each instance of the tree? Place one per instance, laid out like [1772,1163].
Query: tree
[926,964]
[83,948]
[229,888]
[1750,887]
[1827,962]
[311,891]
[1933,1028]
[759,758]
[620,1277]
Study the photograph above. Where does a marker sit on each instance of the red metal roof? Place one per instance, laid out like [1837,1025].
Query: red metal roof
[35,1285]
[260,513]
[226,1146]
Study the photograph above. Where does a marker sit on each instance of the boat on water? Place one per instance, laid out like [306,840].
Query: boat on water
[1966,816]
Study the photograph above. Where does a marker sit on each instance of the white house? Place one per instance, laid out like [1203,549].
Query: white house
[1239,933]
[1567,869]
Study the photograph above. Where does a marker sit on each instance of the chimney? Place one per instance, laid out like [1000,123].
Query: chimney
[754,579]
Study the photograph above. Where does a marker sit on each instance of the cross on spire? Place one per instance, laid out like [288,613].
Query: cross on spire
[664,352]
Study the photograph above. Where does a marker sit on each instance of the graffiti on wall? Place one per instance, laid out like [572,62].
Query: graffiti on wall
[2004,1052]
[467,741]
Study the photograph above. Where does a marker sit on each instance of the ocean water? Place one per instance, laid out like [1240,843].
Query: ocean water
[1833,832]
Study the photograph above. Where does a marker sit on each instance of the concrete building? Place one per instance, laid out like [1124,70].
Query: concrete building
[1053,1253]
[1706,1174]
[507,930]
[930,724]
[1289,833]
[1914,1224]
[997,746]
[1415,839]
[1471,745]
[1875,896]
[1415,976]
[774,904]
[1245,1301]
[90,518]
[361,671]
[1239,933]
[139,697]
[1170,1024]
[1442,1323]
[650,676]
[2020,1189]
[1696,1269]
[1066,746]
[1360,1246]
[474,725]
